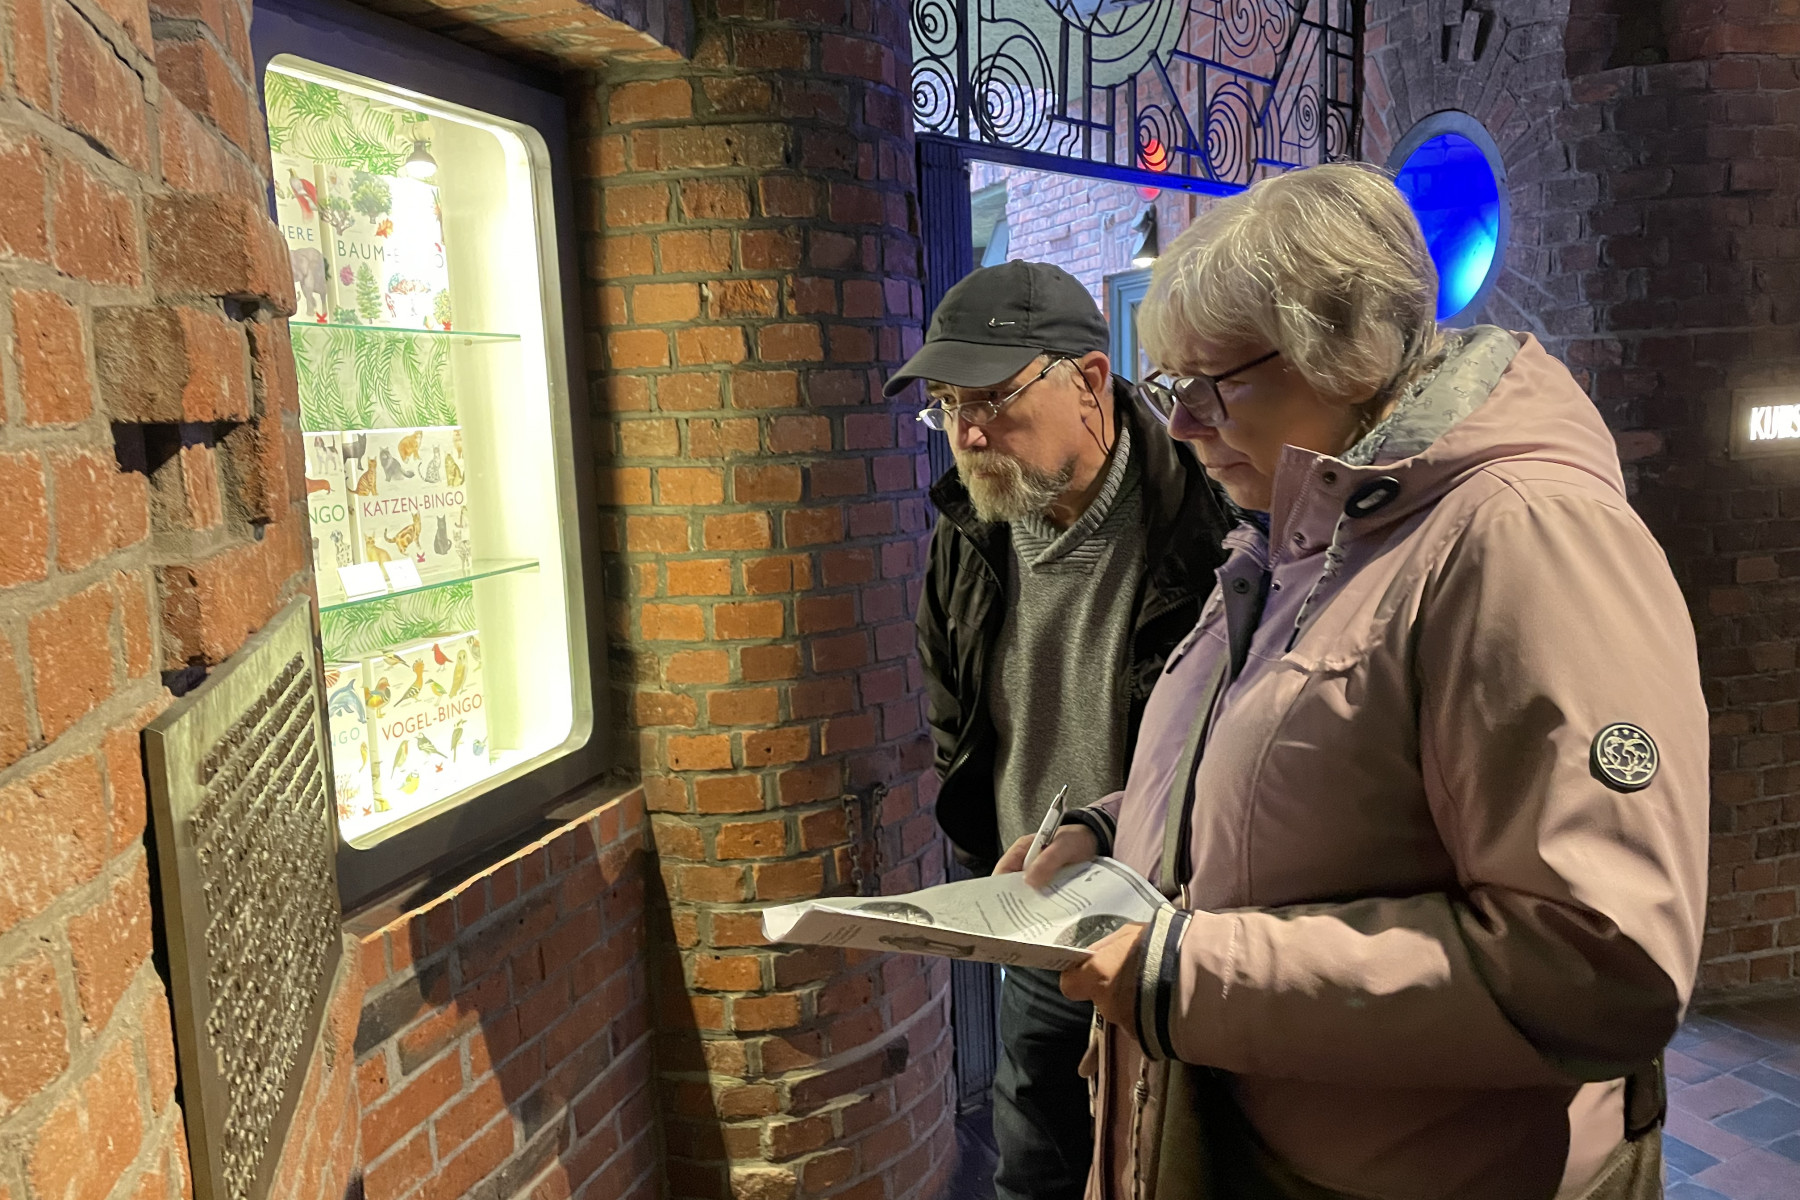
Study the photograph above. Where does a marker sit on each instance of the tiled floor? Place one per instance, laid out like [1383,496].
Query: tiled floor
[1734,1110]
[1734,1104]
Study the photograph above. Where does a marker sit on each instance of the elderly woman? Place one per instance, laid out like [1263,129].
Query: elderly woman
[1427,785]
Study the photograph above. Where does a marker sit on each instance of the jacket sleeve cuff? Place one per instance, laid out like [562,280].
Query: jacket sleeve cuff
[1099,821]
[1159,971]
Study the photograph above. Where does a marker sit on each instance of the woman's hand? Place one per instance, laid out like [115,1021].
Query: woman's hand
[1109,977]
[1072,844]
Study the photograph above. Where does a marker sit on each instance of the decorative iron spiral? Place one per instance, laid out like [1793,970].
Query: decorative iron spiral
[1337,133]
[1302,118]
[1010,85]
[933,96]
[933,27]
[1155,123]
[1230,133]
[1240,25]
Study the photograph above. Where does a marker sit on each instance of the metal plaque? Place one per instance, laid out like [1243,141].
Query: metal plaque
[246,855]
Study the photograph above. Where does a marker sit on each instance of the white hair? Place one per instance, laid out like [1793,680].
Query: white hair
[1325,264]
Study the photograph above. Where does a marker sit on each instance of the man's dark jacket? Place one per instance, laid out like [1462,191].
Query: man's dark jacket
[964,605]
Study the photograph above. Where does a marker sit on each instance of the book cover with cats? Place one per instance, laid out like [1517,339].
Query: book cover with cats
[408,500]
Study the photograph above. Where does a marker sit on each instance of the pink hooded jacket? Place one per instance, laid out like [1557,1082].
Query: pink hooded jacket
[1448,852]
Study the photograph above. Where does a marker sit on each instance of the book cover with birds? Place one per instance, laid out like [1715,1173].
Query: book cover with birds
[430,736]
[296,182]
[410,500]
[332,460]
[352,780]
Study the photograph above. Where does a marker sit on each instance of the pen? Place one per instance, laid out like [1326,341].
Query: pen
[1047,830]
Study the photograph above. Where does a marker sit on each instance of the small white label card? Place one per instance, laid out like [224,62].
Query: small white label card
[363,579]
[403,575]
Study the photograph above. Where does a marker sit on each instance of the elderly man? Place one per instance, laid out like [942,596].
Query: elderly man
[1073,548]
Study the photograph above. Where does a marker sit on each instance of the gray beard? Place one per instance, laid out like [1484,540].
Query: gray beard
[1005,489]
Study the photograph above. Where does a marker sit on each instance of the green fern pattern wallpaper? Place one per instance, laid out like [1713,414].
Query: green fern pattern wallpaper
[368,629]
[371,379]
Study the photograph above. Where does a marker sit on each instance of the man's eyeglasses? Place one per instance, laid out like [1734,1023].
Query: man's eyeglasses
[977,412]
[1199,394]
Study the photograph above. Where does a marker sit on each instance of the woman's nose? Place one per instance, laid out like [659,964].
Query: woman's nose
[1183,425]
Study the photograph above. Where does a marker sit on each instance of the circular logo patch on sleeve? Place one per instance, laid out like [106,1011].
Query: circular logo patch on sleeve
[1624,757]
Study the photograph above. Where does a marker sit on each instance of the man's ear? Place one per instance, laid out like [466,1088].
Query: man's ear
[1096,368]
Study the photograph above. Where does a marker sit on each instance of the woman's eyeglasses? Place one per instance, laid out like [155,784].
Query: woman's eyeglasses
[1199,394]
[977,412]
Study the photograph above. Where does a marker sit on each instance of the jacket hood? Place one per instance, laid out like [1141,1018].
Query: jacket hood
[1494,398]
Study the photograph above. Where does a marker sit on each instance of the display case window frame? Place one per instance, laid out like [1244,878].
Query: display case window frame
[358,44]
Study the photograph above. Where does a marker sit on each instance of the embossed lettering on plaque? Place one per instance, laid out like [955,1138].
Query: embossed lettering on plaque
[246,851]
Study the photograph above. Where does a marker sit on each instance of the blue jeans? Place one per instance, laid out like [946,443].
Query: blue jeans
[1041,1120]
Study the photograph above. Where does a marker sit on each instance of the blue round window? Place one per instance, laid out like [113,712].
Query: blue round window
[1449,171]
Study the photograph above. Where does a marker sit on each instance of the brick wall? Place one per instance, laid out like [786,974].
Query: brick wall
[1653,167]
[150,524]
[1083,225]
[504,1043]
[753,267]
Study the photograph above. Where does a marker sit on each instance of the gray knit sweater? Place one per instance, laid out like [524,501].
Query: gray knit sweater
[1057,695]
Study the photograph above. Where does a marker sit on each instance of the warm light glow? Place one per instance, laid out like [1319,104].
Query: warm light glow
[1775,422]
[421,165]
[1154,156]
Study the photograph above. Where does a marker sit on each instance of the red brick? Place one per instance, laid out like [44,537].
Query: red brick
[704,752]
[765,485]
[636,204]
[705,251]
[401,1171]
[31,53]
[787,196]
[34,1048]
[776,746]
[735,793]
[92,1135]
[88,514]
[745,298]
[770,250]
[650,100]
[812,527]
[689,486]
[719,885]
[665,534]
[762,663]
[202,79]
[96,229]
[737,531]
[743,706]
[218,246]
[25,167]
[688,391]
[71,656]
[171,364]
[751,839]
[24,513]
[799,435]
[464,1119]
[101,96]
[789,343]
[697,666]
[755,1014]
[765,389]
[52,359]
[662,708]
[672,622]
[710,344]
[700,577]
[110,942]
[749,619]
[211,606]
[408,1109]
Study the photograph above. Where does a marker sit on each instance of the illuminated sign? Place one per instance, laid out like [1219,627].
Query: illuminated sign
[1765,421]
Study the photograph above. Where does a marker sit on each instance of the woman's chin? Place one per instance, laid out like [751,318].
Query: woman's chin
[1244,484]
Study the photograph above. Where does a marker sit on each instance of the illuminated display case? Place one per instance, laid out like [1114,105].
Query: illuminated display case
[445,464]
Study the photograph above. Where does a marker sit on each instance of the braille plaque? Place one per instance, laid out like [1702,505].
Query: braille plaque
[246,856]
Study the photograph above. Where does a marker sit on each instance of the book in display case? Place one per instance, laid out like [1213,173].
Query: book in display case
[437,489]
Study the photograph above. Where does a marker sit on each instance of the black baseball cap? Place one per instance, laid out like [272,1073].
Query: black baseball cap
[997,319]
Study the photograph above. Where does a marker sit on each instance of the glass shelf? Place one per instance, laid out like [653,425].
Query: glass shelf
[483,568]
[471,334]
